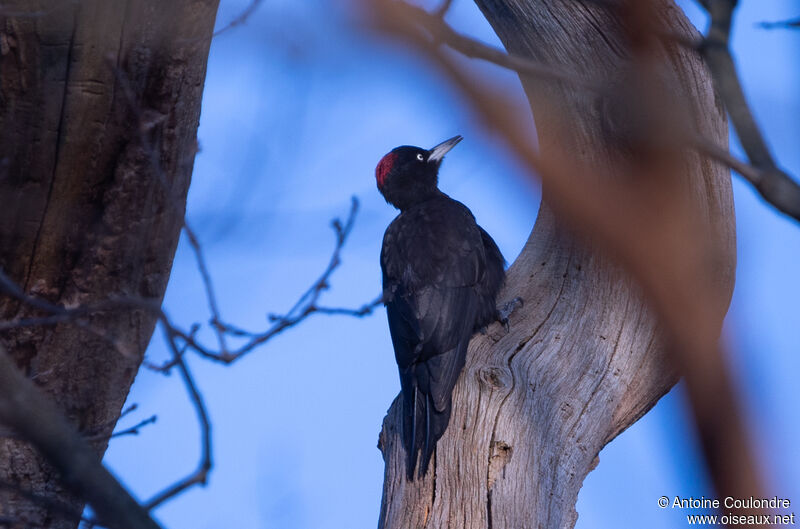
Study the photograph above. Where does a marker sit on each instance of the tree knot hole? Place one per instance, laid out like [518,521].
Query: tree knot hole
[500,455]
[494,377]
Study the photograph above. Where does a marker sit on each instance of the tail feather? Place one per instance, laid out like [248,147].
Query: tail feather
[423,426]
[435,425]
[410,430]
[427,390]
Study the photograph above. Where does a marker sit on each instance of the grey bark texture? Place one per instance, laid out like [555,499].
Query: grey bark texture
[99,108]
[584,358]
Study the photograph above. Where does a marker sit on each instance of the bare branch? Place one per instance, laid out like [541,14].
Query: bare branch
[306,305]
[200,475]
[775,185]
[216,320]
[364,310]
[442,33]
[133,430]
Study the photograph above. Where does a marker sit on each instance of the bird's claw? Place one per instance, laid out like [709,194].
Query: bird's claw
[504,312]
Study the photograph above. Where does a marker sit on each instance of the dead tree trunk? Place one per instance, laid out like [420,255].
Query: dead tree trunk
[584,359]
[99,107]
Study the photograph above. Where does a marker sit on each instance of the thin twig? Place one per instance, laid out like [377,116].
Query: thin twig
[98,433]
[240,19]
[134,430]
[306,305]
[364,310]
[200,475]
[127,411]
[216,319]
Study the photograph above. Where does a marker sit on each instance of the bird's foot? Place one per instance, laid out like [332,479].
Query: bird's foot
[504,312]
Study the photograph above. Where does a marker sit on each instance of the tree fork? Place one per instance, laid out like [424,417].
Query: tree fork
[585,357]
[99,108]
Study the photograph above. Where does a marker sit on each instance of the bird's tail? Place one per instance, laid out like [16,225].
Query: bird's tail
[423,426]
[413,411]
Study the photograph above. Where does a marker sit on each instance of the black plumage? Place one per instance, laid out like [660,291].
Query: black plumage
[441,276]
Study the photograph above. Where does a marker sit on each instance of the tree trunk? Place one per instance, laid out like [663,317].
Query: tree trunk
[99,107]
[584,359]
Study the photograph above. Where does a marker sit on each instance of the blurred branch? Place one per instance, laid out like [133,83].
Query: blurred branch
[441,33]
[712,150]
[442,10]
[31,414]
[775,185]
[793,23]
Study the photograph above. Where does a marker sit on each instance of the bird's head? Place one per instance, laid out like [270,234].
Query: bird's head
[408,175]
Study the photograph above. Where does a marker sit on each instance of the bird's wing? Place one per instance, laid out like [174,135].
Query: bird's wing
[430,283]
[444,354]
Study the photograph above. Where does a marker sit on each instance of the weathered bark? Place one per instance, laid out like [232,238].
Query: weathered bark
[584,359]
[99,107]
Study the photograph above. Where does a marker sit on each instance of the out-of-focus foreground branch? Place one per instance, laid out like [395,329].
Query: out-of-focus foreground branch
[37,420]
[588,357]
[793,23]
[775,185]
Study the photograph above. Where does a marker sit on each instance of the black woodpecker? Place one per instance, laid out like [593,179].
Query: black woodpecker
[441,276]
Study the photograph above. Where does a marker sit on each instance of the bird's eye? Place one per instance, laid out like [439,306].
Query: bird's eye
[420,157]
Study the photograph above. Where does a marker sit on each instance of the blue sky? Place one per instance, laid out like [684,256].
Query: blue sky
[298,109]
